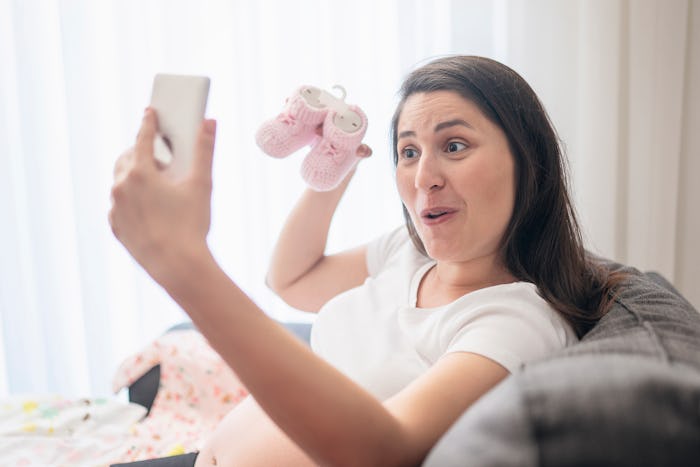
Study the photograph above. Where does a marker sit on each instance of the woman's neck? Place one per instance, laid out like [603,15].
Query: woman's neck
[447,281]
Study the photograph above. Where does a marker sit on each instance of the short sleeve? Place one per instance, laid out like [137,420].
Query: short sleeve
[385,249]
[512,336]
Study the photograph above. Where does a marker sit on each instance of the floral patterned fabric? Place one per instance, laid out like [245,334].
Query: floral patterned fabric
[197,389]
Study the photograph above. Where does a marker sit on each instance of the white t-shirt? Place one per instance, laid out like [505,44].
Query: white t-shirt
[377,336]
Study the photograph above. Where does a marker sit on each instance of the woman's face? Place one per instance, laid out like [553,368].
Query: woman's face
[455,175]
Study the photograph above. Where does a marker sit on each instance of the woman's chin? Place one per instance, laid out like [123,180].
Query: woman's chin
[438,252]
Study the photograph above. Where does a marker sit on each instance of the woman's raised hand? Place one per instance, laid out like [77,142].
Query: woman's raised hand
[158,219]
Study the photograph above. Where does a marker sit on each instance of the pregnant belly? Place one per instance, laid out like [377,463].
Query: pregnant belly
[247,436]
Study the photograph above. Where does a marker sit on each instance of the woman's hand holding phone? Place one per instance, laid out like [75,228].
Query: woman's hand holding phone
[162,220]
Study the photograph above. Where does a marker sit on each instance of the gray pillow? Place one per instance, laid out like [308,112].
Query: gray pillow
[648,318]
[621,410]
[627,394]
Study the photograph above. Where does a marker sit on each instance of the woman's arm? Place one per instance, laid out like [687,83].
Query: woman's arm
[300,272]
[164,225]
[334,421]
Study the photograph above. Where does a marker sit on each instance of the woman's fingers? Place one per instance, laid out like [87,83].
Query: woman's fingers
[144,140]
[204,150]
[123,163]
[364,151]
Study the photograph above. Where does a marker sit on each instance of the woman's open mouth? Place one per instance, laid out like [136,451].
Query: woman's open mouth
[437,215]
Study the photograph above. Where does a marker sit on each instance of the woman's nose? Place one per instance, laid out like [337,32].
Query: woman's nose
[429,174]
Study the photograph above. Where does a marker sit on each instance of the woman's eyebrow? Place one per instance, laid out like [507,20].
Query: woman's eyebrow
[438,127]
[451,123]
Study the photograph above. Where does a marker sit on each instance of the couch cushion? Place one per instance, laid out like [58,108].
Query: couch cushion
[648,318]
[612,409]
[496,431]
[627,394]
[584,410]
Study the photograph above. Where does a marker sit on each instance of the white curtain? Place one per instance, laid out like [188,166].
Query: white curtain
[75,76]
[620,81]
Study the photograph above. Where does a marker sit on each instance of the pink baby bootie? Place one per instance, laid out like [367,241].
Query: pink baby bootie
[334,155]
[295,127]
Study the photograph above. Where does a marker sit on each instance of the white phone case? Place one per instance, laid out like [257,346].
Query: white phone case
[180,102]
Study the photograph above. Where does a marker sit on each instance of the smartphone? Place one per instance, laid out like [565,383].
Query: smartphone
[180,102]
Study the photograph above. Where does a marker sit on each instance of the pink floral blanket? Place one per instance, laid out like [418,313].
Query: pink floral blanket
[197,389]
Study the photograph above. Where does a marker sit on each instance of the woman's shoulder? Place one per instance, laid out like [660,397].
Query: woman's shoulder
[509,323]
[517,308]
[520,301]
[518,292]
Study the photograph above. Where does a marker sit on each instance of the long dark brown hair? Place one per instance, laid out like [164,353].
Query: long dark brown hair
[542,243]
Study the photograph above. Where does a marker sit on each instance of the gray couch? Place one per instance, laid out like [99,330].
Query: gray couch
[628,394]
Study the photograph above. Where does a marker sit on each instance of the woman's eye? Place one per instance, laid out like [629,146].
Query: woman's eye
[454,146]
[409,153]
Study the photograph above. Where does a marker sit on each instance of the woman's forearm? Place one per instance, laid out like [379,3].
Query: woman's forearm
[302,242]
[301,272]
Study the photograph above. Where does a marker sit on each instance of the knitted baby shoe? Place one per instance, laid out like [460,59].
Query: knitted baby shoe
[295,127]
[334,155]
